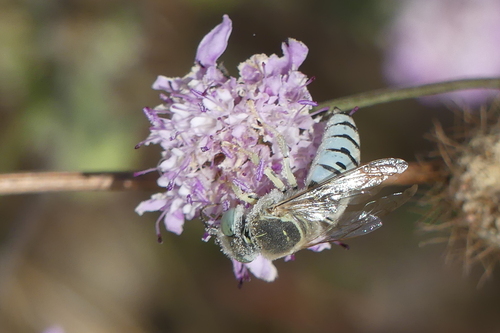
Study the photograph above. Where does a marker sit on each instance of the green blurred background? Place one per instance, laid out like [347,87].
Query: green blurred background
[74,76]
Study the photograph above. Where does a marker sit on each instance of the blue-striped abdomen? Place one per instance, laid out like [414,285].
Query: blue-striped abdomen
[338,151]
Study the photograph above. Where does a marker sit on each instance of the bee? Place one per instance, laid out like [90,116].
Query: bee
[336,203]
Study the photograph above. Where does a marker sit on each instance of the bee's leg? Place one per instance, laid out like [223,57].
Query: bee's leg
[251,198]
[274,178]
[255,160]
[287,170]
[339,243]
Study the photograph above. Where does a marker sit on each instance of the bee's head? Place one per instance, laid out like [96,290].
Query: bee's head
[235,238]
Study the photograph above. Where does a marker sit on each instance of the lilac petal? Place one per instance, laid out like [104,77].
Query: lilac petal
[260,170]
[263,269]
[167,84]
[174,221]
[296,52]
[239,130]
[152,205]
[150,114]
[353,111]
[143,172]
[226,152]
[241,185]
[240,271]
[307,102]
[206,237]
[214,43]
[320,247]
[161,83]
[319,111]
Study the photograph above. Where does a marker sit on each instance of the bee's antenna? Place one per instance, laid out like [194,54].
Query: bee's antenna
[255,160]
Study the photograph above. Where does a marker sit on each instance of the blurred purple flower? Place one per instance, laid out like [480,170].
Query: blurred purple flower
[440,40]
[54,329]
[217,134]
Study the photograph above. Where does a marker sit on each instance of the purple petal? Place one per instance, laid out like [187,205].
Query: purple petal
[320,247]
[260,171]
[151,205]
[214,43]
[307,102]
[240,271]
[150,114]
[206,237]
[167,84]
[296,52]
[263,269]
[241,185]
[143,172]
[174,221]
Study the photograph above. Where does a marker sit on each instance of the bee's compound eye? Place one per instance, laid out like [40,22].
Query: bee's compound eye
[228,222]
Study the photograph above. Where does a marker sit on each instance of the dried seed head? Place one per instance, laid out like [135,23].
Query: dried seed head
[468,204]
[479,187]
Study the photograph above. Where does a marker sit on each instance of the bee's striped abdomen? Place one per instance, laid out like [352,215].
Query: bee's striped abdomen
[338,151]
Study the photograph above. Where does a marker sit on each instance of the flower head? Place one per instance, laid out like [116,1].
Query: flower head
[218,133]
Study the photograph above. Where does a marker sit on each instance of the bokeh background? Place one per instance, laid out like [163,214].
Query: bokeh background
[74,76]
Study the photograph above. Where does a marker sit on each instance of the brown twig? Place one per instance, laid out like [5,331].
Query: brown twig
[420,173]
[43,182]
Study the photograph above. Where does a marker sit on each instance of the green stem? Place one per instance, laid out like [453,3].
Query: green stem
[396,94]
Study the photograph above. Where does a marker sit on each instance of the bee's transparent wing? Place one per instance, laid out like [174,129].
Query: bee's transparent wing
[358,219]
[327,198]
[344,206]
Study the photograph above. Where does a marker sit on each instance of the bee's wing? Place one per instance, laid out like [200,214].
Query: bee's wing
[351,183]
[359,219]
[343,206]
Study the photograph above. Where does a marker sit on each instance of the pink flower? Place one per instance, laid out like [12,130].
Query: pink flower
[215,131]
[54,329]
[440,40]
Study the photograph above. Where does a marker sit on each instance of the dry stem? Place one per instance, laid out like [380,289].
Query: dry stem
[42,182]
